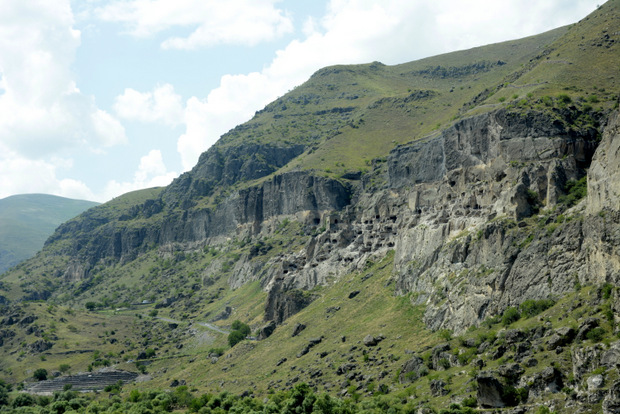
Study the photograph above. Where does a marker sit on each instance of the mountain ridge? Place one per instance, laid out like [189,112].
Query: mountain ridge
[398,205]
[26,220]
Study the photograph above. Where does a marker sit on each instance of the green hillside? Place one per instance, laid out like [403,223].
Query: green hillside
[27,220]
[439,236]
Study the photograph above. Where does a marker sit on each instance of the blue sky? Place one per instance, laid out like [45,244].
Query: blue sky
[101,97]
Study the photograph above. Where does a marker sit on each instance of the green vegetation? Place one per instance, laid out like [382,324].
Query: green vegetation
[120,296]
[27,220]
[40,374]
[510,315]
[575,191]
[239,332]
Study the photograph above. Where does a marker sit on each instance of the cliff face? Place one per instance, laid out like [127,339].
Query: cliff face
[456,209]
[472,214]
[477,214]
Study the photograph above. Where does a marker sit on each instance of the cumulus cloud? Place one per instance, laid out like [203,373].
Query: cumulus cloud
[22,175]
[151,172]
[241,22]
[41,109]
[161,105]
[358,31]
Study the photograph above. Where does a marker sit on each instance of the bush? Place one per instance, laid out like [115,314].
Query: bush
[40,374]
[470,402]
[445,334]
[510,315]
[606,290]
[596,334]
[533,307]
[241,327]
[575,191]
[235,337]
[23,400]
[564,99]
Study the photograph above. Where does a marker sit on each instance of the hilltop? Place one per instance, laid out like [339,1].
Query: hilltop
[27,220]
[439,232]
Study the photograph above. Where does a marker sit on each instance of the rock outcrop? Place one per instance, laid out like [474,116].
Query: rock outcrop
[453,207]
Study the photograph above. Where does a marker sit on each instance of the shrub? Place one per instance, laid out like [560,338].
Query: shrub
[235,337]
[470,402]
[596,334]
[40,374]
[606,290]
[564,99]
[532,307]
[575,191]
[445,334]
[23,400]
[241,327]
[510,315]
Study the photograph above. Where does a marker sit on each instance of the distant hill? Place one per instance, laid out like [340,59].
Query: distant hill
[27,220]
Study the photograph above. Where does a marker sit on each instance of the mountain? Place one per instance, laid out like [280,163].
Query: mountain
[407,237]
[27,220]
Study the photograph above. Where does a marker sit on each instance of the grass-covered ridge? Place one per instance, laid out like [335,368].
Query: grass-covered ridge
[27,220]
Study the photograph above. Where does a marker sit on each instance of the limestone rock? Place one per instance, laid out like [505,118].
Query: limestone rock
[611,403]
[595,382]
[490,390]
[297,329]
[438,388]
[370,340]
[412,370]
[267,330]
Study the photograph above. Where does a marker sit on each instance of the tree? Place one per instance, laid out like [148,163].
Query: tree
[40,374]
[241,327]
[235,337]
[90,306]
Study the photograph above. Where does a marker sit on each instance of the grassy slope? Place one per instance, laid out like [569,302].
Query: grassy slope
[27,220]
[345,141]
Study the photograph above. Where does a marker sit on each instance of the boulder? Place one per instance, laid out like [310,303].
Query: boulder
[586,359]
[266,331]
[611,357]
[511,372]
[490,391]
[40,346]
[561,337]
[585,327]
[611,403]
[595,382]
[412,370]
[547,380]
[438,388]
[370,340]
[513,336]
[344,368]
[297,329]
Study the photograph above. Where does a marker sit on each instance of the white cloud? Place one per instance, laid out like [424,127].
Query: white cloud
[151,172]
[242,22]
[359,31]
[161,105]
[41,109]
[20,175]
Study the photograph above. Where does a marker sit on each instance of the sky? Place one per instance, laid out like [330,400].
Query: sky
[102,97]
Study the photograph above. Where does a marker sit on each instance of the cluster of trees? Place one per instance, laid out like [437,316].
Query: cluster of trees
[301,399]
[239,332]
